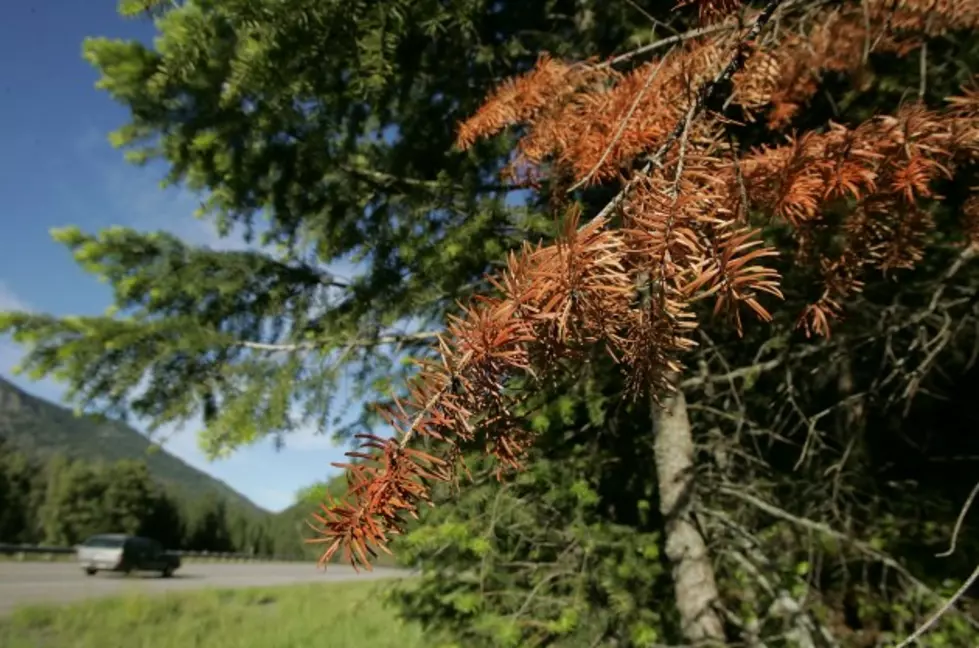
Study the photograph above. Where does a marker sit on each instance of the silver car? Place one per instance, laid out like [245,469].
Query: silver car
[125,553]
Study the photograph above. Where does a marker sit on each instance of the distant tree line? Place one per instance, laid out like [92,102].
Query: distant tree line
[61,501]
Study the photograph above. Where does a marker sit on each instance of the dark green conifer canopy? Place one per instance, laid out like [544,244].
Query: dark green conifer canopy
[324,129]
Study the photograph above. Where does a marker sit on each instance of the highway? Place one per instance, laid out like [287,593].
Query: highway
[64,582]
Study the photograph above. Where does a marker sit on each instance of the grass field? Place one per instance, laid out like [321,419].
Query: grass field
[335,615]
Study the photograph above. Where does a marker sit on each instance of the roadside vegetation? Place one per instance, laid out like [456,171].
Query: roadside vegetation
[56,500]
[338,615]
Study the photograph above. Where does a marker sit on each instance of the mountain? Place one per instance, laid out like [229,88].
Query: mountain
[41,428]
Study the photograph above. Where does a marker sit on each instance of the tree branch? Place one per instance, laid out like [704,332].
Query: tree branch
[666,42]
[385,180]
[959,521]
[942,611]
[685,36]
[704,95]
[744,372]
[864,548]
[622,126]
[381,340]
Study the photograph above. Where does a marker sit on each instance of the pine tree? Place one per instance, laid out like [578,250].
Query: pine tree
[20,479]
[850,201]
[334,120]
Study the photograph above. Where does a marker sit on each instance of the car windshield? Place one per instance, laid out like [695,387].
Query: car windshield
[104,542]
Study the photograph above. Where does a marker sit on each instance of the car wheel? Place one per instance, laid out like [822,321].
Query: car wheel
[167,572]
[90,571]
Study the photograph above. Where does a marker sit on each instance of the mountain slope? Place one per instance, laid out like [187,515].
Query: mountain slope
[42,428]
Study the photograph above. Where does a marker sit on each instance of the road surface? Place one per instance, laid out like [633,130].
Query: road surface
[64,582]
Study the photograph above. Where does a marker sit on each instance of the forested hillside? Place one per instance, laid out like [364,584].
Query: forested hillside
[43,429]
[63,477]
[55,500]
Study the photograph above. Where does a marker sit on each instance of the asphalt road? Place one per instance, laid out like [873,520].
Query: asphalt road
[28,583]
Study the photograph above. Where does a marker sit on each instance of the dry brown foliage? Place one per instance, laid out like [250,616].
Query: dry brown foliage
[712,10]
[682,231]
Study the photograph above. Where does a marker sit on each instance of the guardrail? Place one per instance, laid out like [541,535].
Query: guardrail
[21,551]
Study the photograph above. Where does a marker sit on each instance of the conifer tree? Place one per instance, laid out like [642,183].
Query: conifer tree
[335,119]
[685,226]
[323,131]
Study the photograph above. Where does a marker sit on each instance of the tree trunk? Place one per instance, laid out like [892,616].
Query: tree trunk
[693,574]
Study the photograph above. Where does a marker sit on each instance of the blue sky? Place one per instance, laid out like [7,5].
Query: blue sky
[58,169]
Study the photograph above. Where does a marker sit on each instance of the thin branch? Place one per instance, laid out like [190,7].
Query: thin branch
[381,340]
[704,95]
[682,155]
[649,16]
[863,547]
[923,68]
[959,521]
[750,370]
[946,607]
[382,179]
[692,34]
[666,42]
[966,255]
[623,124]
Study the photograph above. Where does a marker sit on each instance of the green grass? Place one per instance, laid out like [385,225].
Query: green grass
[334,615]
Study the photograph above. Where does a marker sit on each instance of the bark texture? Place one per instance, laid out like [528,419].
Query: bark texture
[693,574]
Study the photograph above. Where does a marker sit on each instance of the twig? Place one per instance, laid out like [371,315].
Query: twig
[380,178]
[744,372]
[966,255]
[666,42]
[704,95]
[923,68]
[312,344]
[650,17]
[682,156]
[942,611]
[689,35]
[863,547]
[623,124]
[959,521]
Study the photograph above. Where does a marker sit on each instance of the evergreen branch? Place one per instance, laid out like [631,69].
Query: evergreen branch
[704,95]
[666,42]
[556,299]
[382,179]
[399,338]
[710,30]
